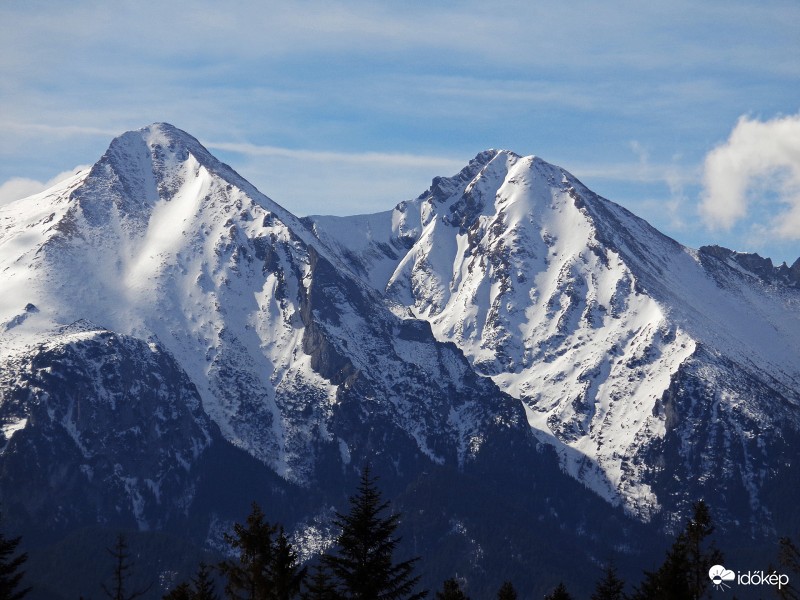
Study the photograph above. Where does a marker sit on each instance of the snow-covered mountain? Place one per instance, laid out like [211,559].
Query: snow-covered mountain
[493,348]
[617,340]
[251,333]
[162,242]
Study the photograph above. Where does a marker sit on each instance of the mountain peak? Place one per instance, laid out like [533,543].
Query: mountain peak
[145,165]
[489,154]
[168,136]
[161,144]
[166,129]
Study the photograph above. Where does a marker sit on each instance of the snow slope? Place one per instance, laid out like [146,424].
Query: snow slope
[159,241]
[582,311]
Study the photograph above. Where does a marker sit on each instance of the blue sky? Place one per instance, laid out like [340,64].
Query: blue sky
[686,113]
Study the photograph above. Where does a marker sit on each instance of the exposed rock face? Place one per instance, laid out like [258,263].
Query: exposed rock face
[100,428]
[758,266]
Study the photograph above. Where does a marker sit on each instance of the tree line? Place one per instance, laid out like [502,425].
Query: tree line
[362,565]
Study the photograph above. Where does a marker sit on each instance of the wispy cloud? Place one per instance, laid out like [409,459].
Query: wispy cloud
[17,188]
[339,183]
[358,158]
[57,130]
[557,34]
[759,163]
[638,172]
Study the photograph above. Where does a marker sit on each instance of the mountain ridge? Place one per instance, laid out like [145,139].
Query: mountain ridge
[507,324]
[251,306]
[587,283]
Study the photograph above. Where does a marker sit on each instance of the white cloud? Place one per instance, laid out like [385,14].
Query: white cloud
[760,162]
[17,188]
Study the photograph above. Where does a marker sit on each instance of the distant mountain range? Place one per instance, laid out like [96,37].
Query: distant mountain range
[520,360]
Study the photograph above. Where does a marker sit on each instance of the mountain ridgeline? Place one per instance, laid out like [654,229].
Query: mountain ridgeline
[518,359]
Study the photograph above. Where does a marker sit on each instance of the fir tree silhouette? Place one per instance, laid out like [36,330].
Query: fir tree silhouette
[684,572]
[181,592]
[320,586]
[789,559]
[451,590]
[507,591]
[610,586]
[10,573]
[287,576]
[204,588]
[363,563]
[249,578]
[267,568]
[560,593]
[122,573]
[201,588]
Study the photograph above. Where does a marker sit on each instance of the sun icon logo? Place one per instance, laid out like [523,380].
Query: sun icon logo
[719,575]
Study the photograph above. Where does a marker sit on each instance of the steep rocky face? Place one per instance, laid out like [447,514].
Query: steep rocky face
[755,264]
[160,240]
[590,316]
[730,438]
[99,428]
[392,375]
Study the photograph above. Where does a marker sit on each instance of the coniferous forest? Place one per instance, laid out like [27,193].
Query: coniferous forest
[363,563]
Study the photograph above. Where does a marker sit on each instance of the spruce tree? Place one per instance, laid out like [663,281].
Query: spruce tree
[320,586]
[363,563]
[507,591]
[670,580]
[181,592]
[788,554]
[560,593]
[451,590]
[122,573]
[267,568]
[684,572]
[610,586]
[789,559]
[249,578]
[287,576]
[203,582]
[10,573]
[201,588]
